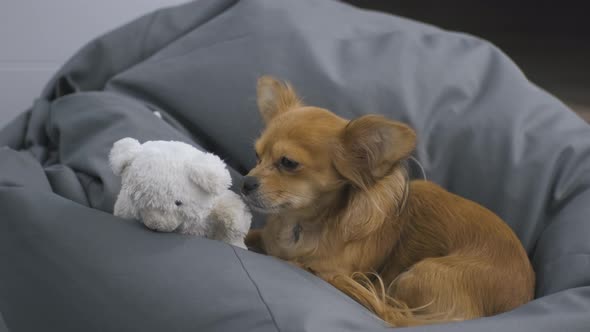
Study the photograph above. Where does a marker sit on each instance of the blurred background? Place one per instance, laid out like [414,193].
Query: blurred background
[549,40]
[38,36]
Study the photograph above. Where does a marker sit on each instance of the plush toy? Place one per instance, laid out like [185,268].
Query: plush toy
[173,187]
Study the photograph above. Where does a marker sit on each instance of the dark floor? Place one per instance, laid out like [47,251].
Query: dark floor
[549,40]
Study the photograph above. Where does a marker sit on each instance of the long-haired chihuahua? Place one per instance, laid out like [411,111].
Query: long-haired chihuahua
[340,204]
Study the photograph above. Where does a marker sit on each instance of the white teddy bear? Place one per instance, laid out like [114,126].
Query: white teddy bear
[173,187]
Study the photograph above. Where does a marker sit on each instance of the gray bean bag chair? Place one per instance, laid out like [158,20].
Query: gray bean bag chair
[67,264]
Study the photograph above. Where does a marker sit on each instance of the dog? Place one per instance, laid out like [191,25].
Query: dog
[340,205]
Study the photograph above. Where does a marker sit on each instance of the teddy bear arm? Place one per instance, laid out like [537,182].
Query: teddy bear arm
[231,219]
[223,228]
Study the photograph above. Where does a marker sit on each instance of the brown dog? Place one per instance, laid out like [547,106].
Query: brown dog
[339,202]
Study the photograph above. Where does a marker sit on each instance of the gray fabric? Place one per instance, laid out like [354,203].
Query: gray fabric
[3,327]
[485,133]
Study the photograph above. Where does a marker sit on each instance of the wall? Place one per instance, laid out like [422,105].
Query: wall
[38,36]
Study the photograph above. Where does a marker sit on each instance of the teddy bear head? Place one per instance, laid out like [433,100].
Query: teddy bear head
[169,186]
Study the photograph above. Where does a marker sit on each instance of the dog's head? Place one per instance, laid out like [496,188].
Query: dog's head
[308,157]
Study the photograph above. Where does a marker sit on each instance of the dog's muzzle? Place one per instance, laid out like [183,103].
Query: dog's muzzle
[250,184]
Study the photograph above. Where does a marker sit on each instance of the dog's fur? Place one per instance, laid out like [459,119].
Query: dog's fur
[348,207]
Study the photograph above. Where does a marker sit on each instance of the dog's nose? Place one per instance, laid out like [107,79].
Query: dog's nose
[250,184]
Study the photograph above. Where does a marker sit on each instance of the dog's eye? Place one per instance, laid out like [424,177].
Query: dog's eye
[178,203]
[289,164]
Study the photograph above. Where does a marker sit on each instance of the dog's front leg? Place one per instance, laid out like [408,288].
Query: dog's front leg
[302,266]
[254,241]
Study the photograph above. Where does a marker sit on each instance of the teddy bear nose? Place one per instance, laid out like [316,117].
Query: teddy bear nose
[250,184]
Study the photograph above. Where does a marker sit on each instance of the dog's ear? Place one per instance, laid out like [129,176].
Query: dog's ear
[370,147]
[275,97]
[123,153]
[209,172]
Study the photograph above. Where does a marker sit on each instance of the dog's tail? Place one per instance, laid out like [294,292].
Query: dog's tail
[373,296]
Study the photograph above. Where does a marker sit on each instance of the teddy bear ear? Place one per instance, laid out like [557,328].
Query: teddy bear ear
[123,153]
[209,172]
